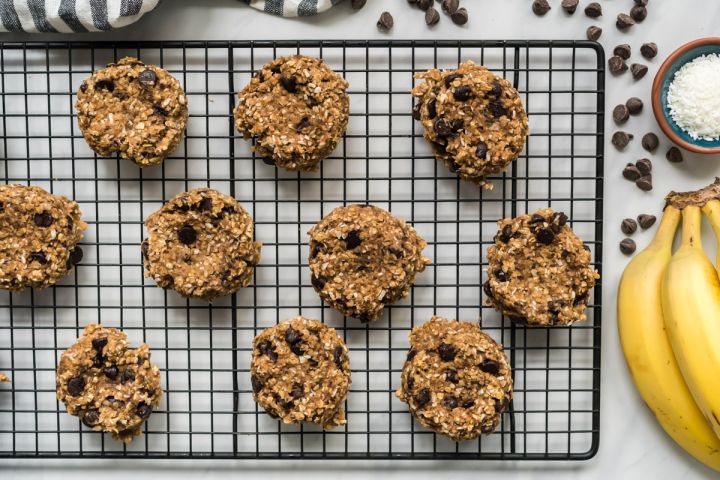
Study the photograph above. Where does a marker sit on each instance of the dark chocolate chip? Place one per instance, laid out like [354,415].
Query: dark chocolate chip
[424,4]
[644,183]
[99,343]
[43,219]
[266,348]
[432,16]
[540,7]
[358,4]
[674,155]
[91,417]
[317,283]
[76,255]
[450,402]
[128,375]
[432,108]
[353,240]
[457,125]
[621,139]
[105,84]
[450,6]
[147,78]
[385,22]
[296,348]
[75,386]
[617,65]
[459,16]
[627,246]
[410,383]
[447,352]
[338,355]
[302,124]
[292,336]
[449,79]
[38,257]
[620,114]
[111,372]
[468,404]
[410,355]
[452,376]
[187,235]
[144,410]
[631,172]
[83,87]
[481,150]
[443,128]
[454,167]
[593,10]
[628,226]
[638,13]
[497,109]
[569,5]
[593,33]
[536,218]
[545,236]
[649,50]
[490,366]
[256,383]
[561,218]
[624,21]
[98,360]
[646,221]
[289,84]
[506,233]
[650,142]
[422,397]
[638,70]
[644,165]
[463,93]
[501,276]
[297,391]
[416,112]
[487,289]
[623,51]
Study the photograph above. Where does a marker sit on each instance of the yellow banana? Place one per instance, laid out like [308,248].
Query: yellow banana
[648,352]
[712,211]
[691,308]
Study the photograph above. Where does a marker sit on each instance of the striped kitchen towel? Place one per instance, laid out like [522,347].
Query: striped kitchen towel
[67,16]
[293,8]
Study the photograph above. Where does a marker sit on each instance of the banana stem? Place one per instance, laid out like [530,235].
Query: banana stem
[712,212]
[692,221]
[666,230]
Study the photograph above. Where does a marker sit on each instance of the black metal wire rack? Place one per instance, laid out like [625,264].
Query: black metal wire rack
[204,350]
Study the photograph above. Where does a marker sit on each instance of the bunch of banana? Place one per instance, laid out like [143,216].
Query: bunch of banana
[671,339]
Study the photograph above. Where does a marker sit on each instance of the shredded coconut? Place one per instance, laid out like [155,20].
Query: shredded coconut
[694,97]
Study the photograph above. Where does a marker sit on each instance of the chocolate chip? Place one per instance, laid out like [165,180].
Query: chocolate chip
[490,366]
[498,109]
[620,114]
[443,128]
[450,6]
[431,16]
[256,383]
[76,255]
[312,102]
[268,161]
[628,226]
[424,4]
[463,93]
[289,84]
[459,16]
[450,78]
[99,343]
[649,50]
[468,404]
[646,221]
[621,139]
[617,65]
[569,5]
[144,410]
[83,87]
[75,386]
[501,276]
[432,108]
[297,349]
[266,348]
[90,417]
[627,246]
[487,289]
[338,355]
[481,150]
[624,21]
[302,124]
[650,142]
[454,167]
[450,402]
[644,183]
[38,257]
[447,352]
[638,13]
[385,22]
[187,235]
[644,165]
[111,372]
[451,376]
[416,112]
[292,336]
[358,4]
[623,51]
[545,236]
[297,391]
[631,172]
[105,84]
[638,70]
[422,397]
[540,7]
[317,283]
[147,78]
[353,240]
[561,218]
[506,233]
[674,155]
[43,219]
[593,33]
[593,10]
[128,375]
[496,89]
[410,383]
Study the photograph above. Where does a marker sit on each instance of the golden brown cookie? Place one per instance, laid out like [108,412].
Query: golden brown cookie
[474,120]
[363,258]
[539,271]
[456,379]
[296,111]
[111,387]
[201,244]
[137,110]
[39,233]
[300,372]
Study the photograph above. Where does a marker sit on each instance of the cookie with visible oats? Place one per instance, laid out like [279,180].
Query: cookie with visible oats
[363,258]
[300,372]
[296,111]
[39,233]
[456,379]
[201,244]
[474,120]
[111,387]
[137,110]
[539,271]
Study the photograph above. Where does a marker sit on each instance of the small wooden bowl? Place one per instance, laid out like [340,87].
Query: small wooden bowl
[664,77]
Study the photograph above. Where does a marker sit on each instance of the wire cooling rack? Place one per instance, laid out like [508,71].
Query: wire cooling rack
[204,350]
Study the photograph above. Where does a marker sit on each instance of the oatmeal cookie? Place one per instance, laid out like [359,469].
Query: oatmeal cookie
[539,271]
[111,387]
[456,379]
[201,245]
[363,258]
[132,108]
[296,111]
[39,233]
[300,372]
[474,120]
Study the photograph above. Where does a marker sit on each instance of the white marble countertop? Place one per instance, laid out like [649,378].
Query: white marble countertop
[632,445]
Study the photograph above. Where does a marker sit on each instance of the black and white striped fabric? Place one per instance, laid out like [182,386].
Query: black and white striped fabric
[67,16]
[293,8]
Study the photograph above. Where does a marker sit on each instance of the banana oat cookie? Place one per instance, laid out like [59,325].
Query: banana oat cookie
[39,233]
[300,372]
[456,379]
[111,387]
[132,108]
[296,111]
[201,245]
[539,271]
[363,258]
[474,120]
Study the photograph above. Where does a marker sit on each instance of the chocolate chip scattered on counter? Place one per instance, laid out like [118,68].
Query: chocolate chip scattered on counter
[627,246]
[644,183]
[569,5]
[425,4]
[593,33]
[620,114]
[649,50]
[634,105]
[431,16]
[631,172]
[638,13]
[593,10]
[540,7]
[385,22]
[621,139]
[450,6]
[646,221]
[674,155]
[459,16]
[641,2]
[650,142]
[617,65]
[624,21]
[623,51]
[638,70]
[358,4]
[628,226]
[644,165]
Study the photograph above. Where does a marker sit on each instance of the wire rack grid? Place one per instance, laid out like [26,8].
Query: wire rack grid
[204,350]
